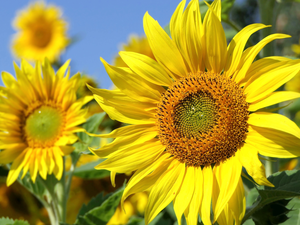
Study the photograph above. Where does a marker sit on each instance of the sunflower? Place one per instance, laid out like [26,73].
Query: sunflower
[196,116]
[135,44]
[41,33]
[39,116]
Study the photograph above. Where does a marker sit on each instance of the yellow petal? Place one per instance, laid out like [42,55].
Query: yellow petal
[146,68]
[271,80]
[227,174]
[164,49]
[216,7]
[192,211]
[146,177]
[185,194]
[59,167]
[113,178]
[207,195]
[132,85]
[133,157]
[274,121]
[129,136]
[43,168]
[237,45]
[274,98]
[164,190]
[250,54]
[215,43]
[16,168]
[248,156]
[115,104]
[273,143]
[10,154]
[261,66]
[237,203]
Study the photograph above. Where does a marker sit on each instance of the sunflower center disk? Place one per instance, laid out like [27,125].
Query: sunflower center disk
[41,34]
[195,114]
[44,126]
[202,119]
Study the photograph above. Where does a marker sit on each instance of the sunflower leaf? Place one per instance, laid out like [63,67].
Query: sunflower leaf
[91,126]
[87,171]
[287,185]
[102,213]
[8,221]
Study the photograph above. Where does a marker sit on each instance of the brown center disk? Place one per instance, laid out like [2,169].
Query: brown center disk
[202,119]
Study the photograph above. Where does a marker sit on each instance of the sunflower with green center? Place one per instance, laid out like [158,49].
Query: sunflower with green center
[41,33]
[39,116]
[196,117]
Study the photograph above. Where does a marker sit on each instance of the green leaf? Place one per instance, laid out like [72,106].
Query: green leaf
[95,202]
[36,188]
[91,126]
[287,185]
[8,221]
[5,221]
[101,214]
[226,7]
[87,171]
[294,214]
[3,171]
[271,214]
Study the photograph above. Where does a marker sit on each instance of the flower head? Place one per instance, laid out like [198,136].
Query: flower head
[41,33]
[194,116]
[39,116]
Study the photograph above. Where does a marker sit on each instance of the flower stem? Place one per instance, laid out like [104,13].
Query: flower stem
[60,196]
[267,17]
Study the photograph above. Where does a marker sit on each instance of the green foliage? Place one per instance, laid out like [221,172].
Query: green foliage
[226,7]
[98,214]
[8,221]
[36,188]
[286,186]
[88,171]
[95,202]
[3,171]
[91,126]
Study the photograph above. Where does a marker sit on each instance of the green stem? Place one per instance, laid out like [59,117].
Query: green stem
[61,202]
[75,157]
[267,17]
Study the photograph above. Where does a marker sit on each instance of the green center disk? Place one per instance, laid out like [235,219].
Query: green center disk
[195,114]
[44,124]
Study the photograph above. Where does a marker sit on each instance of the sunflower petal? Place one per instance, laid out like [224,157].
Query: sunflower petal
[185,193]
[274,98]
[164,49]
[227,175]
[273,143]
[164,190]
[207,195]
[215,43]
[146,68]
[191,214]
[274,121]
[237,45]
[248,156]
[237,203]
[250,54]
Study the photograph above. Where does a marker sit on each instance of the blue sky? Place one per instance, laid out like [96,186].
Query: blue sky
[102,26]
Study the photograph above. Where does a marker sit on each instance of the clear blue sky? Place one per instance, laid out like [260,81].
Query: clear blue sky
[101,25]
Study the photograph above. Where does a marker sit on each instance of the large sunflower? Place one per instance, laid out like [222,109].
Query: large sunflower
[39,116]
[41,33]
[194,116]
